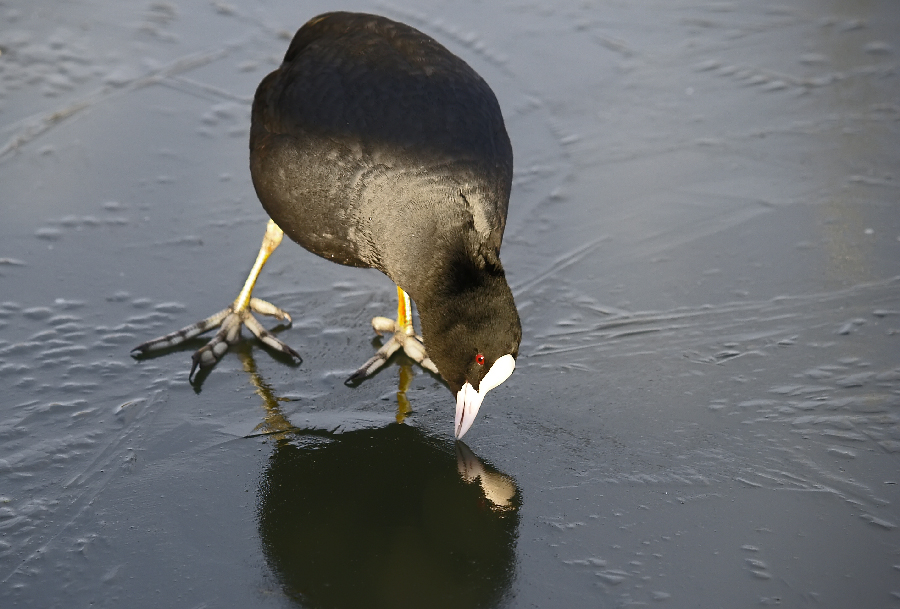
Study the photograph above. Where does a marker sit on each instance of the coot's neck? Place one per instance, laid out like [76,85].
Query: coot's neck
[455,272]
[443,252]
[466,302]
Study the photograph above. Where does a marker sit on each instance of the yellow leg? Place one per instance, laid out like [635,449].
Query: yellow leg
[404,312]
[271,240]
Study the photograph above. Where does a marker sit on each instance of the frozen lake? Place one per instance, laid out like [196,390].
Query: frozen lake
[704,245]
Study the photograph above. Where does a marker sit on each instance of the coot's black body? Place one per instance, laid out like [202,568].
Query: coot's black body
[374,146]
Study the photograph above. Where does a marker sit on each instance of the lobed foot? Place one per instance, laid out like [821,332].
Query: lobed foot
[230,319]
[402,338]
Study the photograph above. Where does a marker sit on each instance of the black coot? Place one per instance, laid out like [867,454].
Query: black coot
[374,146]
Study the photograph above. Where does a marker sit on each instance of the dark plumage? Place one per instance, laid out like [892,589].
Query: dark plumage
[374,146]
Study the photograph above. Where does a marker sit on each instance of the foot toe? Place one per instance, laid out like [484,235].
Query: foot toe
[268,338]
[179,336]
[429,365]
[413,347]
[210,353]
[376,361]
[267,308]
[383,325]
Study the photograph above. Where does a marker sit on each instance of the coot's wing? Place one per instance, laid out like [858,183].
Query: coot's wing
[390,94]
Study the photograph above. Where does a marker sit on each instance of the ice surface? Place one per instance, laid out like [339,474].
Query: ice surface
[703,242]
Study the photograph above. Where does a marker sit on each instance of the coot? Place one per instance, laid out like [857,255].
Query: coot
[374,146]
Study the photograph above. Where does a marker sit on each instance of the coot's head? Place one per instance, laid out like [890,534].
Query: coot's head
[472,336]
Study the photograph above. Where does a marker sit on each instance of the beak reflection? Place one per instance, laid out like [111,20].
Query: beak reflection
[498,488]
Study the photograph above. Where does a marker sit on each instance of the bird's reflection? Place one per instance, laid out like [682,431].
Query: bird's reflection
[386,517]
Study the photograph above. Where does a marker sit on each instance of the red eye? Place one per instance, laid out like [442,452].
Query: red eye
[479,359]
